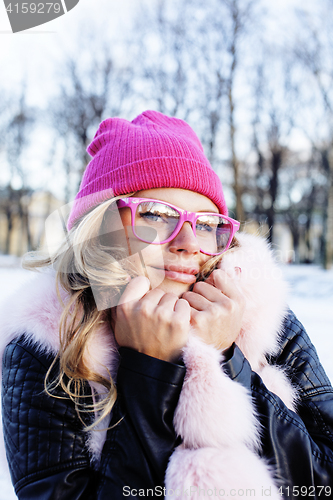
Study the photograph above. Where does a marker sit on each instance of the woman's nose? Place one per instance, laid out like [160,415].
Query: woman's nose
[185,241]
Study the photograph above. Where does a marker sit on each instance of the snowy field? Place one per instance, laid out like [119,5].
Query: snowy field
[311,298]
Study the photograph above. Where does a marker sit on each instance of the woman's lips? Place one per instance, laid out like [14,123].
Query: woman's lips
[182,275]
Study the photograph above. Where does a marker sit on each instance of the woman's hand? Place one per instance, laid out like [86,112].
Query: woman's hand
[217,307]
[151,321]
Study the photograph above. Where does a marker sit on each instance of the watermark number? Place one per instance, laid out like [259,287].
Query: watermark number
[34,8]
[305,491]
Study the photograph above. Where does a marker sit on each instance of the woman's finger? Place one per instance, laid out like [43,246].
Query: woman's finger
[168,300]
[208,290]
[135,290]
[227,285]
[154,296]
[194,314]
[182,307]
[198,301]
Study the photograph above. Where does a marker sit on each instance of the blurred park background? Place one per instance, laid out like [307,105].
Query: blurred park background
[253,78]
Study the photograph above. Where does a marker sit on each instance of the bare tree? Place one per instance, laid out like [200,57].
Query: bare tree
[272,124]
[190,54]
[90,90]
[240,16]
[165,57]
[326,156]
[15,200]
[313,49]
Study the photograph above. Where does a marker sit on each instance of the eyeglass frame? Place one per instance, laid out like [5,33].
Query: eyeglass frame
[185,216]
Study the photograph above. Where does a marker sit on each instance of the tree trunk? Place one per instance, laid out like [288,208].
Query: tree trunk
[328,238]
[9,216]
[234,160]
[327,235]
[10,204]
[26,228]
[273,188]
[296,238]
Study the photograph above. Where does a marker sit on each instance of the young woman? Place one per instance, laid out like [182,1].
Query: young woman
[155,355]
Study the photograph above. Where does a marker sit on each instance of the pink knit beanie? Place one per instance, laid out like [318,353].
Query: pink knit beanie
[152,151]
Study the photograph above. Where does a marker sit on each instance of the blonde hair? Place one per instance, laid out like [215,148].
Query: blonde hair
[83,262]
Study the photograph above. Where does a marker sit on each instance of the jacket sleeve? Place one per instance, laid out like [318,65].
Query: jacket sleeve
[44,438]
[141,438]
[300,445]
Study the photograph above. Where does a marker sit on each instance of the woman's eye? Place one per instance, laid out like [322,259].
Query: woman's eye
[204,227]
[152,216]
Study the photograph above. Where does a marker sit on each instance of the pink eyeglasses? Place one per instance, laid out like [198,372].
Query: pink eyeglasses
[158,222]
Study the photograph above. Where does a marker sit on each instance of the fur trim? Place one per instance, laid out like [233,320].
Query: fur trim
[276,380]
[210,396]
[220,472]
[36,313]
[217,421]
[265,293]
[215,415]
[102,357]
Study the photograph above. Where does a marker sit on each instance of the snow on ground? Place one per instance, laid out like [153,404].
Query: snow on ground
[311,298]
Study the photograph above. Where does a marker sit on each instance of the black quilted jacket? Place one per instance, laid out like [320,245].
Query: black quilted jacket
[45,440]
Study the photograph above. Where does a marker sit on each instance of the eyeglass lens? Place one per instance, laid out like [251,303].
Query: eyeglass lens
[212,231]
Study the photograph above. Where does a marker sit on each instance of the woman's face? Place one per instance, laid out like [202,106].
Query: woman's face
[172,266]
